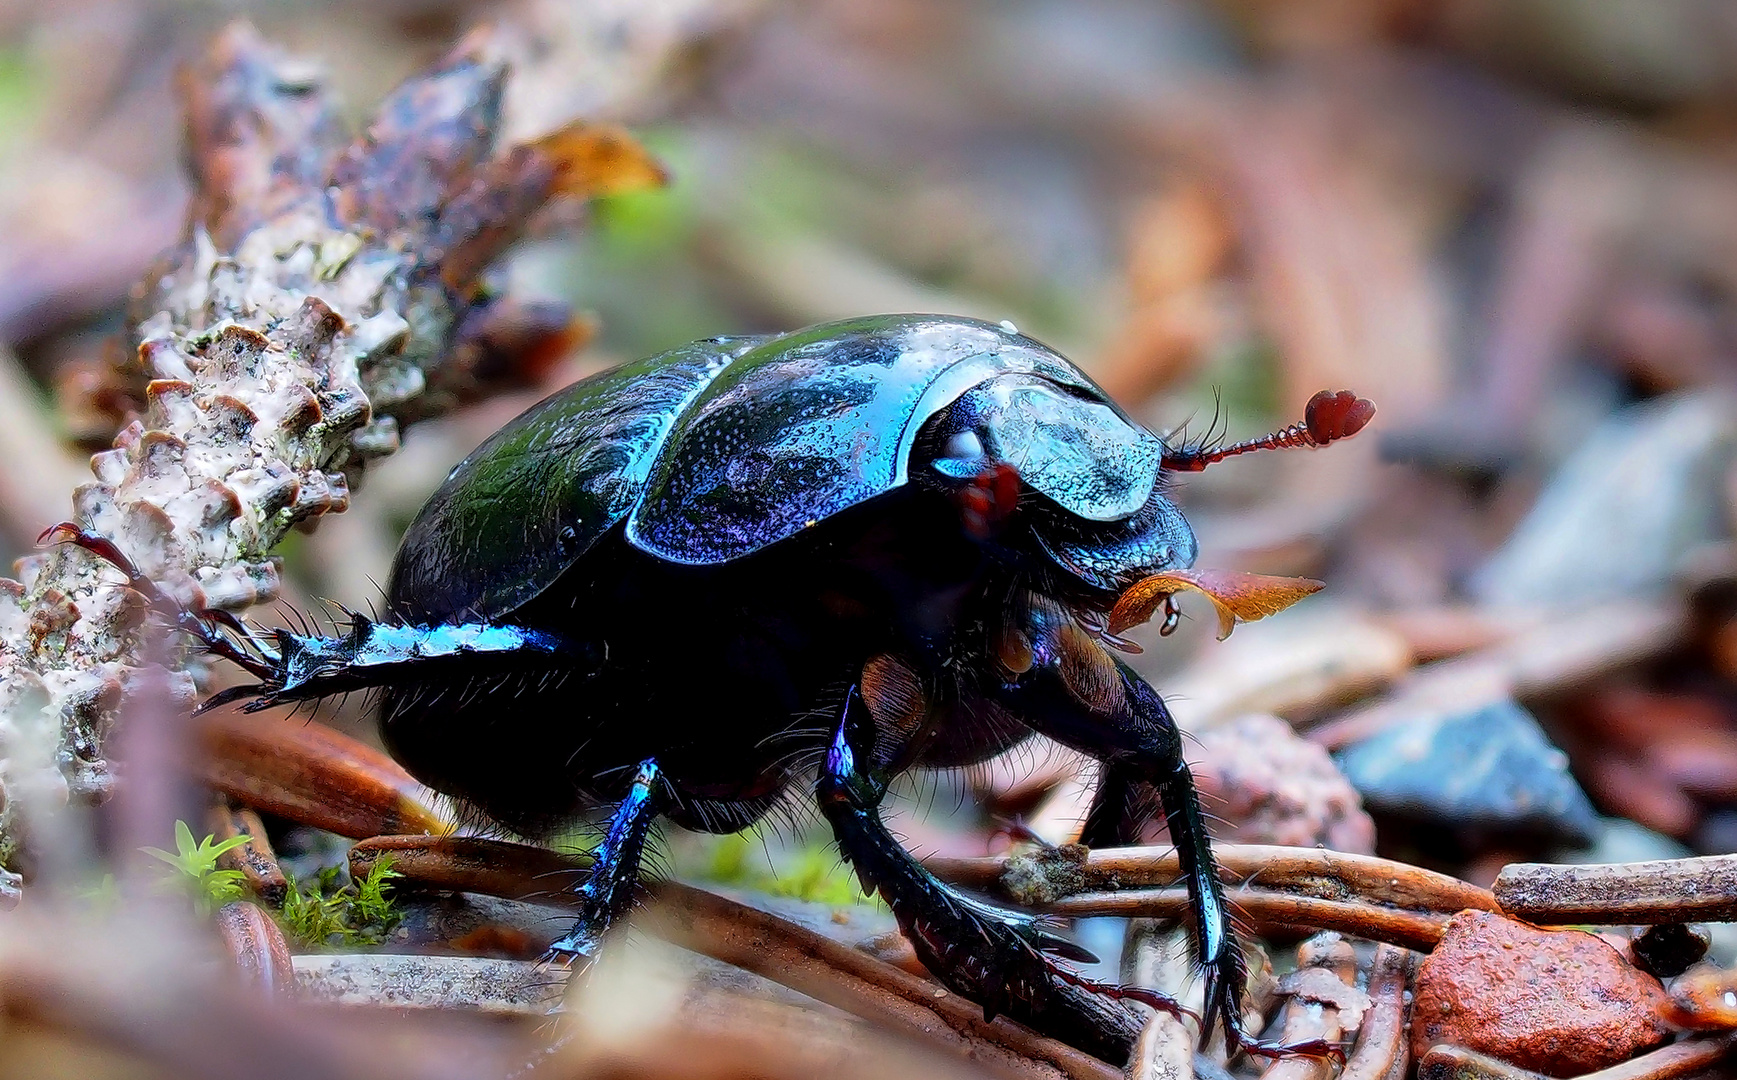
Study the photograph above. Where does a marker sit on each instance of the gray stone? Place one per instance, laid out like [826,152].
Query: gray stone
[1491,768]
[1642,491]
[1621,840]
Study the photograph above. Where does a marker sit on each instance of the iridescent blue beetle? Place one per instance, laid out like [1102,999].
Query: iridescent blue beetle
[696,583]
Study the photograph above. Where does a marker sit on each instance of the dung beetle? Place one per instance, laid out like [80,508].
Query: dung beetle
[691,584]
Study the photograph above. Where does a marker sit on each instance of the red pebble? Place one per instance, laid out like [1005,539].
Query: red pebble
[1561,1002]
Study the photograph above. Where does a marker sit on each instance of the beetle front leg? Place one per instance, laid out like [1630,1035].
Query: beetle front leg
[997,958]
[1097,705]
[606,892]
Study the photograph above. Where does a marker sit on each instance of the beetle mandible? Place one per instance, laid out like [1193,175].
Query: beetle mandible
[645,589]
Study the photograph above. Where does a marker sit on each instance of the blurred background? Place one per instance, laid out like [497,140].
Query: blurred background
[1513,225]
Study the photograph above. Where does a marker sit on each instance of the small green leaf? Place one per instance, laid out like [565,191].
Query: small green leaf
[194,866]
[184,839]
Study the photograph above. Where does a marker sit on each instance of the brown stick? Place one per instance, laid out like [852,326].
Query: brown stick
[755,941]
[1329,875]
[314,775]
[1686,1058]
[473,864]
[853,981]
[1458,1063]
[1381,1044]
[258,948]
[1308,1019]
[1411,929]
[255,859]
[1666,890]
[1682,1059]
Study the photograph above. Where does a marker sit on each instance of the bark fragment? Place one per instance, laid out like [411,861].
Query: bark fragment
[311,311]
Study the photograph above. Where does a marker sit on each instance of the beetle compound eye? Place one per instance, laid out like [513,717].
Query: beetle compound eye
[962,455]
[964,446]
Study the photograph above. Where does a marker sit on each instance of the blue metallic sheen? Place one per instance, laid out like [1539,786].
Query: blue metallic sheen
[720,448]
[314,667]
[543,490]
[608,889]
[812,423]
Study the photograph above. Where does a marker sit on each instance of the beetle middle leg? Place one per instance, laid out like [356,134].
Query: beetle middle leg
[607,891]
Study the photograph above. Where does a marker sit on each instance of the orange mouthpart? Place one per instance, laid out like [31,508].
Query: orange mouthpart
[1236,595]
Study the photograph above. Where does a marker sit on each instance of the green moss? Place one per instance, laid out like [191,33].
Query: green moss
[330,912]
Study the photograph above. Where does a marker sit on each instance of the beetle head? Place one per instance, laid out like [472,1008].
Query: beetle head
[1088,484]
[1021,432]
[1049,477]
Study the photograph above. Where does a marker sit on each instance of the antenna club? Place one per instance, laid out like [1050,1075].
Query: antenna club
[1336,415]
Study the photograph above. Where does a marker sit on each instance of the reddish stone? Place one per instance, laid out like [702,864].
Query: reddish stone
[1561,1002]
[1269,785]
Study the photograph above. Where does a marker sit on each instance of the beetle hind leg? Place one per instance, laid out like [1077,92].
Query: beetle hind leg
[607,891]
[1003,960]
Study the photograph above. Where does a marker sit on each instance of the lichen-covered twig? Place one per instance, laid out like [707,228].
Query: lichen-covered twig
[329,290]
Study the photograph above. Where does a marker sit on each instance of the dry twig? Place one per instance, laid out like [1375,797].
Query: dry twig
[1324,1004]
[1687,1058]
[1328,875]
[258,947]
[856,982]
[754,941]
[1411,929]
[1381,1050]
[471,983]
[312,775]
[1662,891]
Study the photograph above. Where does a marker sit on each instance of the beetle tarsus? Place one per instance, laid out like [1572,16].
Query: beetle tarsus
[1133,732]
[607,891]
[208,626]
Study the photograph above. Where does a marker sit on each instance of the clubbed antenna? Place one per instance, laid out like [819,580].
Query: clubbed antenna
[1328,417]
